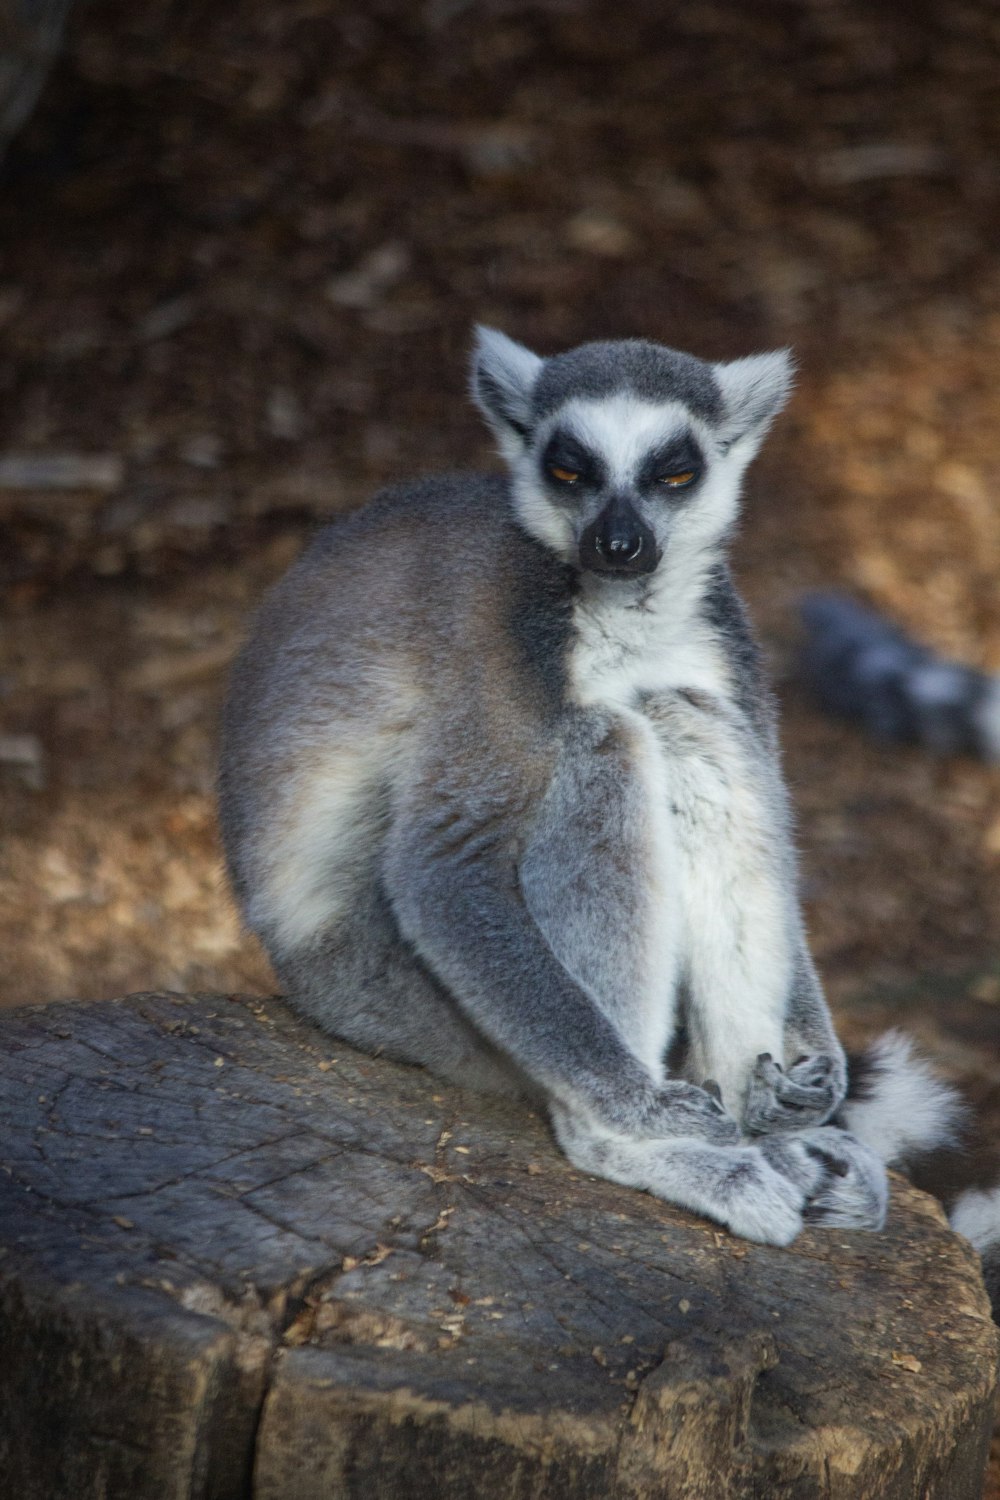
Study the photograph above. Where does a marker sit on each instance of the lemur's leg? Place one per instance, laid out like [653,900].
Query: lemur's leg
[357,977]
[541,921]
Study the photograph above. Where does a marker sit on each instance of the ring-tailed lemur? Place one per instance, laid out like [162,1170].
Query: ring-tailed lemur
[500,794]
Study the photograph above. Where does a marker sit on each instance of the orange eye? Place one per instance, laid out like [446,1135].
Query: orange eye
[564,476]
[677,481]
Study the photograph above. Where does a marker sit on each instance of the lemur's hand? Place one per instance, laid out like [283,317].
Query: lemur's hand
[678,1108]
[804,1095]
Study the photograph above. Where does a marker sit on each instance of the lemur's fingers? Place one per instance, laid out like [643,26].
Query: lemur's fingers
[802,1096]
[812,1072]
[844,1182]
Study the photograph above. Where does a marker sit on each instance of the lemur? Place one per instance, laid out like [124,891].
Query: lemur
[500,794]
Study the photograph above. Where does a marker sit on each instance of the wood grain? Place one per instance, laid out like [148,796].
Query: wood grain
[239,1259]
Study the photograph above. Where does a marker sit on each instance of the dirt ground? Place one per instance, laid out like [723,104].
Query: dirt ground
[240,253]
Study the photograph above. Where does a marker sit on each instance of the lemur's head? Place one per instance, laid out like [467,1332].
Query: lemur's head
[622,452]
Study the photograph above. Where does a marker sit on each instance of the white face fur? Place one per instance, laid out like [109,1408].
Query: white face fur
[676,474]
[625,436]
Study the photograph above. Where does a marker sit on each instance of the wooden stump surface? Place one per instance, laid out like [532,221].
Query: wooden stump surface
[239,1259]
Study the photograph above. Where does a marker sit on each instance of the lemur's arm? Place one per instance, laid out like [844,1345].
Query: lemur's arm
[802,1080]
[810,1087]
[452,879]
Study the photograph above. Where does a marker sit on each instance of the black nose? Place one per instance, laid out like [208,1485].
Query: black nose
[618,542]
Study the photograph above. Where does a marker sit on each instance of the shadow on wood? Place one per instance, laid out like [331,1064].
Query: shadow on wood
[240,1259]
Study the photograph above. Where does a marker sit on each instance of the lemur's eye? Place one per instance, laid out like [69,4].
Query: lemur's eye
[677,481]
[564,476]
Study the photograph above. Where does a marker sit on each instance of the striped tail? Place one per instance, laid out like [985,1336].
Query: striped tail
[863,668]
[902,1110]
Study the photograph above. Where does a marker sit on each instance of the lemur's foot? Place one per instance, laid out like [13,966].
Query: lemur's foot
[796,1098]
[844,1182]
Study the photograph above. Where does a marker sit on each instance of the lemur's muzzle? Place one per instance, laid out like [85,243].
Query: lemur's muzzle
[619,543]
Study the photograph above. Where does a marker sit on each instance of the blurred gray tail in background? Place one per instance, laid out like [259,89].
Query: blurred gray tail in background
[863,668]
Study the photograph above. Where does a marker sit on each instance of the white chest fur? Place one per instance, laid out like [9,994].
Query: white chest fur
[626,646]
[722,891]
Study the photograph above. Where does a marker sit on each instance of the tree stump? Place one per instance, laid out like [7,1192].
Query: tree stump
[240,1259]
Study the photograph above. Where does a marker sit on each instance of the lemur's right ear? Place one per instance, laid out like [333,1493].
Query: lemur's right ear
[503,378]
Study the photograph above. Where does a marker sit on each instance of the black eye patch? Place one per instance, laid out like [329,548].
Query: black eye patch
[677,466]
[565,456]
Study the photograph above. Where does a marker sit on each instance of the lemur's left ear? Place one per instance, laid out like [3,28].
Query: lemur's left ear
[503,378]
[753,392]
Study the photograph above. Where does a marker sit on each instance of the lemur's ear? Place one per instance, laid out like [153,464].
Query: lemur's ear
[753,392]
[503,377]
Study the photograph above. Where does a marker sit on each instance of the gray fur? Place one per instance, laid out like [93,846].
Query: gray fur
[494,810]
[864,668]
[649,370]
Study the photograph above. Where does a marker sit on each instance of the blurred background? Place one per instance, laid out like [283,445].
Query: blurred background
[241,248]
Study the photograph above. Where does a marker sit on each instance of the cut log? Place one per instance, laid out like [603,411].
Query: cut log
[240,1259]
